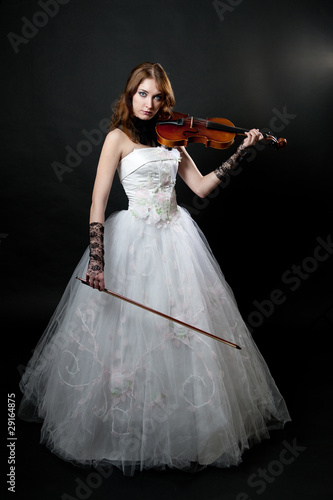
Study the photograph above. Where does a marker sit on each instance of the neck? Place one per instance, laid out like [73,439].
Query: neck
[145,130]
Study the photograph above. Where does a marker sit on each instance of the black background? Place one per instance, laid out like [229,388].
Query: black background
[259,64]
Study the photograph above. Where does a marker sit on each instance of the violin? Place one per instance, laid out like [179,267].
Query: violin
[217,133]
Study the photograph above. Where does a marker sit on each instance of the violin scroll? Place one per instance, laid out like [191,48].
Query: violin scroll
[270,140]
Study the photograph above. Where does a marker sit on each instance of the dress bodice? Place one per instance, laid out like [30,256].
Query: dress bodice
[148,176]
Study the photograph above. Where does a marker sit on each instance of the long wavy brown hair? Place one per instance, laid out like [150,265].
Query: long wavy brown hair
[123,111]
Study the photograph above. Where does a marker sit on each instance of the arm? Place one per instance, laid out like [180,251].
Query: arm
[111,153]
[202,185]
[108,161]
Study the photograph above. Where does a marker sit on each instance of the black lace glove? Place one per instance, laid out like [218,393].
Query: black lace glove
[95,272]
[231,163]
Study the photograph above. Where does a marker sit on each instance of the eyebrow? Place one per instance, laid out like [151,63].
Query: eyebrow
[143,90]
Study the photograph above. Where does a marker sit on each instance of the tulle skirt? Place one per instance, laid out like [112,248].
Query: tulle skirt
[114,384]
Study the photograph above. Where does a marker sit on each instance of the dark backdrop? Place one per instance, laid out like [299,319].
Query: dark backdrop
[260,64]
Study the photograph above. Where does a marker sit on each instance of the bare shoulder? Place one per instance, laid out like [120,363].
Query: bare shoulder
[115,138]
[118,143]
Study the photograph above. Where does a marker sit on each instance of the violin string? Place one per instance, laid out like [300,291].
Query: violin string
[221,126]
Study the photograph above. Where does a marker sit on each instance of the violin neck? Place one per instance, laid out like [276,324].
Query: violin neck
[225,128]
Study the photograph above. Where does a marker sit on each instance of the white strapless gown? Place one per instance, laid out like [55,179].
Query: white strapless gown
[115,384]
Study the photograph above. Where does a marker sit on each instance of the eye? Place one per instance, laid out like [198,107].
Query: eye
[158,97]
[142,93]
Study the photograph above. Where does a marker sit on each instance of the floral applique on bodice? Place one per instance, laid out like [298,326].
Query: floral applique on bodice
[148,176]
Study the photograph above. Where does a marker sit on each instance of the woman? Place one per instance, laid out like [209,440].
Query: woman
[117,385]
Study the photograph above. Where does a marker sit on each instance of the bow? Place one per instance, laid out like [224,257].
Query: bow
[170,318]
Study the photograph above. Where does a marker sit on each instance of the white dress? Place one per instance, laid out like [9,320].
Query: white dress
[115,384]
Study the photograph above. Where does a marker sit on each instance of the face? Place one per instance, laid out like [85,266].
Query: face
[147,100]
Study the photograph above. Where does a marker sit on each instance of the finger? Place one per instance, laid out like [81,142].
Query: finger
[255,135]
[91,281]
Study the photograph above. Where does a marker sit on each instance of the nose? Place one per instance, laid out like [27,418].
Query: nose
[149,103]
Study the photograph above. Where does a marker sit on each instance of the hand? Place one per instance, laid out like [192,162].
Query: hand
[252,137]
[95,278]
